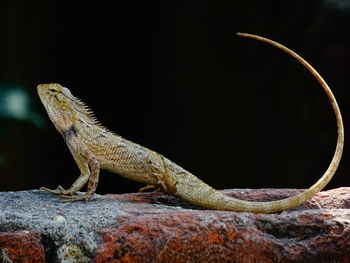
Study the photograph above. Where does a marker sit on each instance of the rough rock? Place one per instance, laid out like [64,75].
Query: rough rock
[21,246]
[154,227]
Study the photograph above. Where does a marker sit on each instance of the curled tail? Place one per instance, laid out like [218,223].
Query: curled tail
[206,196]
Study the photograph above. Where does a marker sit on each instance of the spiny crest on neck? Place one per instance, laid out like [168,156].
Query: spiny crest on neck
[88,114]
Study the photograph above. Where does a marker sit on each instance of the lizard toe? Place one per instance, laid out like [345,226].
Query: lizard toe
[74,198]
[56,191]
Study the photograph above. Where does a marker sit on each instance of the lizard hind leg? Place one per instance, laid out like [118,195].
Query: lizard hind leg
[165,180]
[147,188]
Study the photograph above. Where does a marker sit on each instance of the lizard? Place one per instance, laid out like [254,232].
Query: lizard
[95,147]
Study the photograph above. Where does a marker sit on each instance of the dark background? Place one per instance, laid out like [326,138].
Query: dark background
[173,76]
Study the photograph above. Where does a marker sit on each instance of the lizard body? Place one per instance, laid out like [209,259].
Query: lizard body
[94,147]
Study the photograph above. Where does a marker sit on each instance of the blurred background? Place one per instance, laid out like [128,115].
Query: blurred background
[173,76]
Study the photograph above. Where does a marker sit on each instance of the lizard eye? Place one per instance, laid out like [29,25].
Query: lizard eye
[52,90]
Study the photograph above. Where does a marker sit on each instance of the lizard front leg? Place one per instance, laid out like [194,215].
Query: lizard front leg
[76,186]
[92,183]
[89,171]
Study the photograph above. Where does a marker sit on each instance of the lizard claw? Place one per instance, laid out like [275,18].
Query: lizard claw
[66,195]
[57,191]
[74,198]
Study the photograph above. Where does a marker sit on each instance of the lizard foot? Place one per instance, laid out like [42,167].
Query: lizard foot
[58,191]
[74,198]
[148,188]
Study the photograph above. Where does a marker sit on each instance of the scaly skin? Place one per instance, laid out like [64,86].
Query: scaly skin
[94,147]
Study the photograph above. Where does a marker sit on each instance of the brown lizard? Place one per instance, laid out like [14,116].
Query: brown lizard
[94,147]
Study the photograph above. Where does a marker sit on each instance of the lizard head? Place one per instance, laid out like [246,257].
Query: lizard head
[62,107]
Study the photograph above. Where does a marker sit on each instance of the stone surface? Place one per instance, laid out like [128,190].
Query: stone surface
[154,227]
[21,246]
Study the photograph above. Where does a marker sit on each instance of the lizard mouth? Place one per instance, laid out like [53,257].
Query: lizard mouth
[40,93]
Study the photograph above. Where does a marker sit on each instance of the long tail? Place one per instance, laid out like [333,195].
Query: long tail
[206,196]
